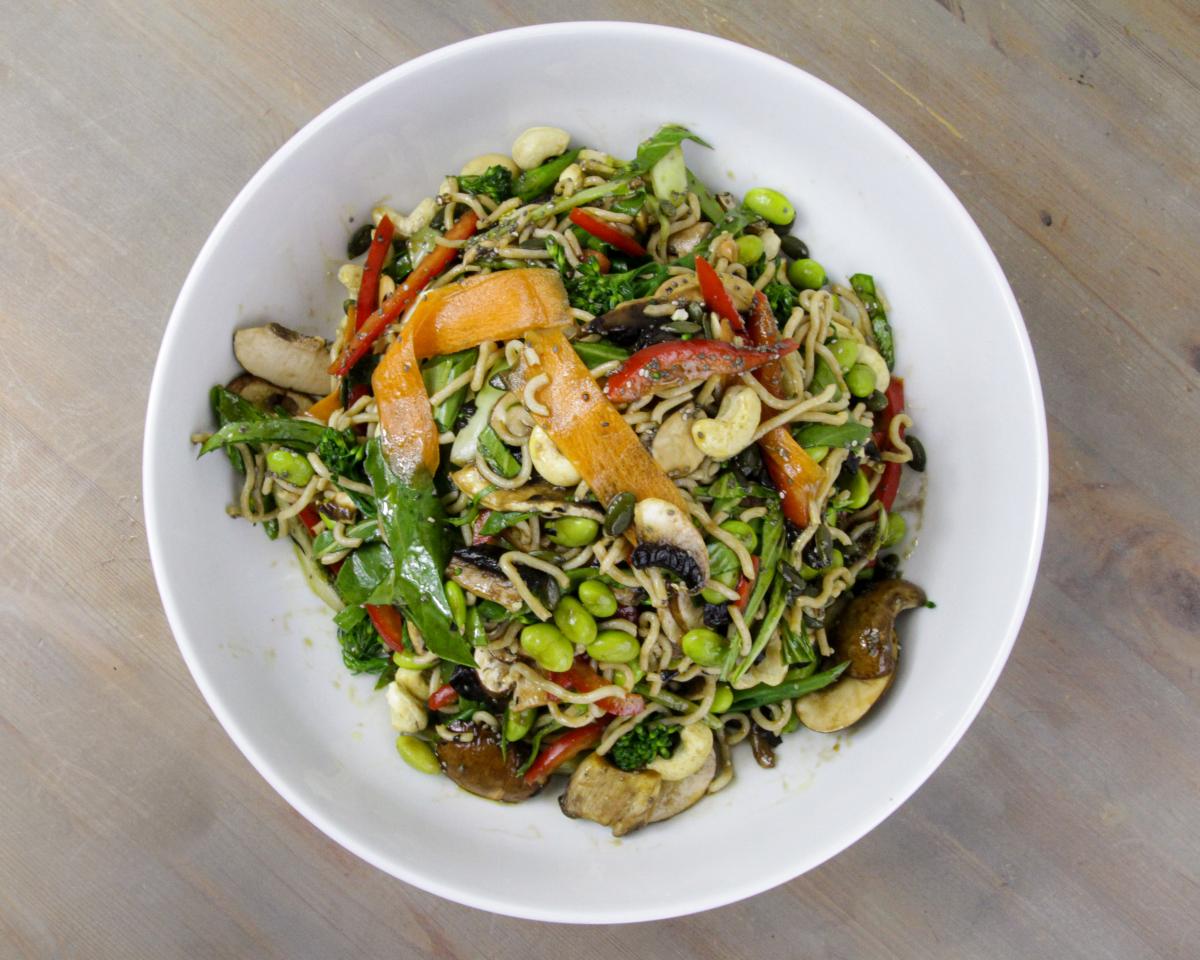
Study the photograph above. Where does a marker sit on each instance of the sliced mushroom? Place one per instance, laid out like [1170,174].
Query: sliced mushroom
[686,287]
[477,569]
[865,632]
[842,704]
[600,792]
[677,795]
[268,396]
[482,768]
[687,239]
[673,448]
[667,538]
[543,498]
[283,356]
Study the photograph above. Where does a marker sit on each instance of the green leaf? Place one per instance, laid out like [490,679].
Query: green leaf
[441,372]
[599,351]
[831,435]
[413,521]
[733,223]
[500,520]
[228,407]
[770,550]
[864,286]
[362,649]
[782,299]
[796,647]
[708,202]
[766,627]
[368,575]
[533,183]
[498,456]
[655,147]
[302,435]
[760,695]
[495,182]
[536,745]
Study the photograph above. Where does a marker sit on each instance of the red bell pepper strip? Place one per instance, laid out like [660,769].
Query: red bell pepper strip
[368,290]
[311,519]
[716,297]
[558,751]
[478,538]
[388,624]
[583,679]
[372,328]
[889,483]
[745,586]
[442,697]
[609,234]
[679,361]
[795,474]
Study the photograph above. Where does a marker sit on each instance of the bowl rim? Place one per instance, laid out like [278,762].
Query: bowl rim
[772,875]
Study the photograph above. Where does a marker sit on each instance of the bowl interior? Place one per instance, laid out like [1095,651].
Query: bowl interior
[262,647]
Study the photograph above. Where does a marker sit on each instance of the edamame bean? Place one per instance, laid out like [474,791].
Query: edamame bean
[517,723]
[771,205]
[290,466]
[918,451]
[576,624]
[614,646]
[619,514]
[844,352]
[860,491]
[547,645]
[575,531]
[750,248]
[722,699]
[861,380]
[458,605]
[597,598]
[729,578]
[818,453]
[895,530]
[636,675]
[743,531]
[703,646]
[794,248]
[806,274]
[417,754]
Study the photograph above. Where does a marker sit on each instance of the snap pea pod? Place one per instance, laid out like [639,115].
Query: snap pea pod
[864,286]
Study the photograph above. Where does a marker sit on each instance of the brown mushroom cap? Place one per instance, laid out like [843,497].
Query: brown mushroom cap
[481,768]
[865,633]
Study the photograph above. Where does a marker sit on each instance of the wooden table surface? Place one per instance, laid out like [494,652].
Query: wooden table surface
[1066,823]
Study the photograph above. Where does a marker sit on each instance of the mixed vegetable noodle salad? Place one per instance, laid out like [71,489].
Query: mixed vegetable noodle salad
[598,474]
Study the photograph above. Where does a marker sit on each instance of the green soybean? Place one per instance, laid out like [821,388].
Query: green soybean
[547,645]
[614,646]
[517,723]
[574,531]
[806,274]
[895,530]
[597,598]
[750,248]
[818,453]
[844,351]
[771,205]
[860,491]
[576,624]
[861,380]
[290,467]
[458,605]
[619,514]
[743,531]
[636,674]
[722,699]
[703,646]
[417,754]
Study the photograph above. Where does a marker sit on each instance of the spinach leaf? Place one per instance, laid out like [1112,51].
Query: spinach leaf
[708,203]
[796,647]
[536,745]
[228,407]
[599,351]
[831,435]
[495,182]
[362,649]
[302,435]
[722,561]
[368,575]
[864,286]
[438,374]
[413,522]
[656,146]
[498,456]
[761,694]
[500,520]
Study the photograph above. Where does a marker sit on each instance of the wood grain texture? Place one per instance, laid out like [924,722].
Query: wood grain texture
[1066,824]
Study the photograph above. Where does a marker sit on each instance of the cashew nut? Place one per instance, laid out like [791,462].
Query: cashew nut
[421,217]
[549,461]
[733,429]
[673,448]
[415,682]
[484,162]
[695,744]
[350,277]
[870,357]
[538,144]
[771,243]
[408,713]
[570,180]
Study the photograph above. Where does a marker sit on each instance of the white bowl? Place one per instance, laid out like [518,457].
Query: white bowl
[262,648]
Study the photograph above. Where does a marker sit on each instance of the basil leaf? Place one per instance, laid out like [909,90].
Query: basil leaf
[831,435]
[500,520]
[368,575]
[302,435]
[657,145]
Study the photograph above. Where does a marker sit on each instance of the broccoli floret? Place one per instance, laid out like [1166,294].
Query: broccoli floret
[340,451]
[495,182]
[642,744]
[596,292]
[782,299]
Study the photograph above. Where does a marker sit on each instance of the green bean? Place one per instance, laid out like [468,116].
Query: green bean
[614,646]
[619,514]
[918,453]
[574,531]
[806,274]
[417,754]
[895,530]
[794,248]
[743,531]
[576,624]
[703,646]
[290,467]
[597,598]
[517,723]
[861,380]
[547,645]
[458,604]
[750,249]
[844,352]
[722,699]
[771,205]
